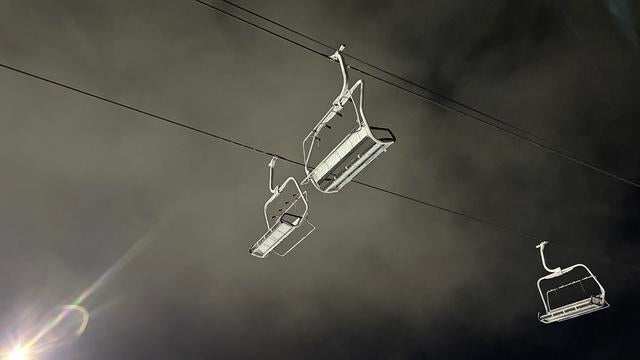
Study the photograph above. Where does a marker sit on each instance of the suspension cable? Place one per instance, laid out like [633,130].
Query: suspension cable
[500,125]
[239,144]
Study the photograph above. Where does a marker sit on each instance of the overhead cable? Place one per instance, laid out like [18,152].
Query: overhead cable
[436,99]
[240,144]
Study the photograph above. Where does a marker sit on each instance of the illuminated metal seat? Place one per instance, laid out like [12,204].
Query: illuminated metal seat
[581,307]
[357,150]
[287,223]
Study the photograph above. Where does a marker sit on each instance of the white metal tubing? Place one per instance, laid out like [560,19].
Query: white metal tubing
[335,156]
[272,165]
[277,193]
[360,164]
[298,242]
[602,291]
[336,106]
[567,285]
[544,263]
[280,229]
[275,230]
[546,304]
[573,310]
[337,56]
[274,235]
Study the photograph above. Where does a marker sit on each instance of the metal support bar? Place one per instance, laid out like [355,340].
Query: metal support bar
[272,165]
[544,263]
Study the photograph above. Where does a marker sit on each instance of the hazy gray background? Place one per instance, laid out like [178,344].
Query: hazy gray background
[381,278]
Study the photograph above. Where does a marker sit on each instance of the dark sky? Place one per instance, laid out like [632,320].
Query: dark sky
[382,278]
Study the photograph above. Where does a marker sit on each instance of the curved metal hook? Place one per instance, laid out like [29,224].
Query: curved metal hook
[544,263]
[337,56]
[272,164]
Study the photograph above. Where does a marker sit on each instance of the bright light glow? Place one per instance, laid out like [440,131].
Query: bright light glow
[43,341]
[19,353]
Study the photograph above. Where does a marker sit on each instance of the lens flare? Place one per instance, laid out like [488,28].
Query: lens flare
[18,353]
[85,317]
[45,337]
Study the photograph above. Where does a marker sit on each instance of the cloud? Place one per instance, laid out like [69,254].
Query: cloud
[380,278]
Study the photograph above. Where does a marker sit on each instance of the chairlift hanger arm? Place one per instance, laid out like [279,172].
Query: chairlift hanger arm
[344,94]
[272,165]
[356,150]
[541,246]
[336,106]
[337,56]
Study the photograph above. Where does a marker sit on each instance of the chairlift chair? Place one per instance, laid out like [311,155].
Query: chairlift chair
[357,150]
[585,306]
[288,222]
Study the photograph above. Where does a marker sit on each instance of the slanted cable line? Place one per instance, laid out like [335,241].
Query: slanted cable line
[263,29]
[273,22]
[504,130]
[505,228]
[132,108]
[450,211]
[264,152]
[515,131]
[373,66]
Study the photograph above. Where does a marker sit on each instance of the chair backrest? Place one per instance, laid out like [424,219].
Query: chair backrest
[287,225]
[355,151]
[289,216]
[565,279]
[298,197]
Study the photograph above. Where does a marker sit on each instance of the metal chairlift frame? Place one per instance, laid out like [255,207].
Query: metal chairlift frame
[290,226]
[349,144]
[572,310]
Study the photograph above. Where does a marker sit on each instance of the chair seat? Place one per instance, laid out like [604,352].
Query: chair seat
[348,159]
[575,309]
[275,235]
